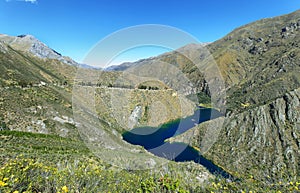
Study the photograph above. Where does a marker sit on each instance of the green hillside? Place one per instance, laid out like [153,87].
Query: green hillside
[260,134]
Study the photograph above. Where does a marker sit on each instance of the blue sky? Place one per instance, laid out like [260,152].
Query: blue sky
[73,27]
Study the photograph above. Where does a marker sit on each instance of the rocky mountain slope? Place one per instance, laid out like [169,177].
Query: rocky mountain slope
[35,93]
[260,66]
[30,44]
[263,142]
[260,61]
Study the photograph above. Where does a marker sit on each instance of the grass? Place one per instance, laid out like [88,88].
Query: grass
[30,175]
[49,163]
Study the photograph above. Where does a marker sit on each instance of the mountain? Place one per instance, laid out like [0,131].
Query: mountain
[260,65]
[34,91]
[39,135]
[259,61]
[121,67]
[126,65]
[29,44]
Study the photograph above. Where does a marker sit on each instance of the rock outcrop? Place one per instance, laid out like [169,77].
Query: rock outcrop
[263,141]
[29,43]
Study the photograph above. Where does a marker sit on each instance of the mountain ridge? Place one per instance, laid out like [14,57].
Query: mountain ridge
[124,66]
[30,44]
[260,63]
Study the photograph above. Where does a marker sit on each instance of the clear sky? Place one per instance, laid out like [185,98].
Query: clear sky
[73,27]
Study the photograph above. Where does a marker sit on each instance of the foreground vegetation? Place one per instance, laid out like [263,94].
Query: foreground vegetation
[31,175]
[47,163]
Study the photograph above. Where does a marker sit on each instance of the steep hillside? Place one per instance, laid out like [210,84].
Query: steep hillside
[35,93]
[29,44]
[260,61]
[178,70]
[263,141]
[260,135]
[261,57]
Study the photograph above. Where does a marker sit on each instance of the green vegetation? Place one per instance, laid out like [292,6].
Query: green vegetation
[201,98]
[48,163]
[260,135]
[152,85]
[259,61]
[148,87]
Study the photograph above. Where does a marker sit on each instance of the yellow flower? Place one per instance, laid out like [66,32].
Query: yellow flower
[2,184]
[5,179]
[16,191]
[64,189]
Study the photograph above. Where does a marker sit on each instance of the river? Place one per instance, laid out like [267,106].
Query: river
[153,140]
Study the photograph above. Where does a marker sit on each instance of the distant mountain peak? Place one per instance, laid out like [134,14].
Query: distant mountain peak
[30,44]
[183,50]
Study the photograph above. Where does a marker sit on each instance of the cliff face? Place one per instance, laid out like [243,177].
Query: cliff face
[29,44]
[263,141]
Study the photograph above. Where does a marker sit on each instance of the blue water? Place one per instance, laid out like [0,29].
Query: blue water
[153,139]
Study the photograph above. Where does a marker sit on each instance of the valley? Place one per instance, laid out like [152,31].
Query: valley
[60,118]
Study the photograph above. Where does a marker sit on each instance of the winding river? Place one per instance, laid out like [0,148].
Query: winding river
[153,139]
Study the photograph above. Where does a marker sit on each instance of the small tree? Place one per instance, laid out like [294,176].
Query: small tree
[3,126]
